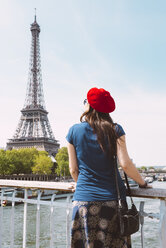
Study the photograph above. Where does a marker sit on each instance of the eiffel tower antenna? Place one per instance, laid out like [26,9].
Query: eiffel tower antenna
[34,129]
[35,14]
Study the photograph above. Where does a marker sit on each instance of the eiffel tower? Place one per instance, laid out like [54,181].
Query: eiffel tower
[34,129]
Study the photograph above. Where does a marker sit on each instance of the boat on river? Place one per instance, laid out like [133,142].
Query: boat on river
[32,194]
[149,179]
[161,178]
[19,193]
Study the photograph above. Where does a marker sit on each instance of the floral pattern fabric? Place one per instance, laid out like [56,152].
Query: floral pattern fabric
[94,225]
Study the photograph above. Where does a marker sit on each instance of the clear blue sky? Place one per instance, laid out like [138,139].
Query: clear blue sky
[116,45]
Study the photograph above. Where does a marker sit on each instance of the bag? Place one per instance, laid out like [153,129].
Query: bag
[128,219]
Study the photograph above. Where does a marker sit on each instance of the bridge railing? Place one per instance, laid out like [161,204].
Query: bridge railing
[152,193]
[52,203]
[9,189]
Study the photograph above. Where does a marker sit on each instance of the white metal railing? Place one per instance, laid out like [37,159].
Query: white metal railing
[52,203]
[152,193]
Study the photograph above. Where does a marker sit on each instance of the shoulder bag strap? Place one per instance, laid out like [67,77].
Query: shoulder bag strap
[128,188]
[117,185]
[116,181]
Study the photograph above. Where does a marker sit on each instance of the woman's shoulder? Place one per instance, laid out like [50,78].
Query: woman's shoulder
[119,130]
[76,131]
[81,125]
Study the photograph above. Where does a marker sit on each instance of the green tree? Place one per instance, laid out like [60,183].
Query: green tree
[15,164]
[21,161]
[43,153]
[62,159]
[143,168]
[151,168]
[43,165]
[4,163]
[27,159]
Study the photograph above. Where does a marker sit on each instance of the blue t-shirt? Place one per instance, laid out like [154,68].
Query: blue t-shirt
[96,179]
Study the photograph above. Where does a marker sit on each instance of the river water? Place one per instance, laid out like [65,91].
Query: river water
[150,226]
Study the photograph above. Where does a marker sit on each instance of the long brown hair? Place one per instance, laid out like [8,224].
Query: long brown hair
[104,127]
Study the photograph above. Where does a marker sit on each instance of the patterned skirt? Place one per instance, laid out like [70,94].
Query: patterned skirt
[94,225]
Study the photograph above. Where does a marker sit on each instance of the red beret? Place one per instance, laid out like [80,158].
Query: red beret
[101,100]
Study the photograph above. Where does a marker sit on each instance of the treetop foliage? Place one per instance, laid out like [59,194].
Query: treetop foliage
[24,161]
[62,160]
[43,165]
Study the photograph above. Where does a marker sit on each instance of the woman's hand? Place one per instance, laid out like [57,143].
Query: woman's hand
[146,185]
[72,186]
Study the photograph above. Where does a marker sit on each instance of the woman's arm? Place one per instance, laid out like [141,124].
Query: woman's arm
[126,163]
[73,167]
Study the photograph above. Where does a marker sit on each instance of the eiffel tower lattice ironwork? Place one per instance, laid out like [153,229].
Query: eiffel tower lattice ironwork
[34,129]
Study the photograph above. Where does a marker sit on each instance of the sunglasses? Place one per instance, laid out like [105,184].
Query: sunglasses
[85,101]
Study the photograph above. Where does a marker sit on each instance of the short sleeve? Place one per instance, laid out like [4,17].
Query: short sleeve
[69,136]
[119,130]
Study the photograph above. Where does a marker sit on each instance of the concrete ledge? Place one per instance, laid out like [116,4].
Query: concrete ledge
[65,186]
[154,193]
